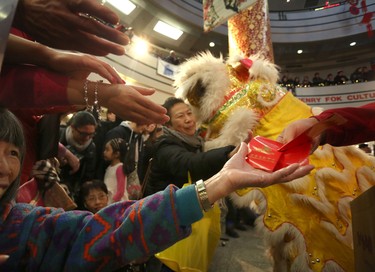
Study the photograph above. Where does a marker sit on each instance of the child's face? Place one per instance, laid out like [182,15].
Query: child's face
[10,165]
[108,153]
[96,200]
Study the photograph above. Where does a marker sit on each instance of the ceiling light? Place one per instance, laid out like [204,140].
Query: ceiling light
[125,6]
[300,51]
[168,30]
[140,47]
[211,44]
[353,43]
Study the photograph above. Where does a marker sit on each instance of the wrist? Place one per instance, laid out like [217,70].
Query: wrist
[203,199]
[216,187]
[46,56]
[106,92]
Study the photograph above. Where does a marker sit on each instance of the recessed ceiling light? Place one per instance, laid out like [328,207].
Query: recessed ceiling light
[141,47]
[300,51]
[353,43]
[211,44]
[125,6]
[168,30]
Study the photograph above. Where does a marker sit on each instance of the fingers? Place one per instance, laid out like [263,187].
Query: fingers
[147,115]
[291,172]
[92,26]
[249,136]
[95,45]
[280,138]
[315,144]
[243,150]
[142,119]
[105,70]
[96,9]
[90,37]
[140,110]
[144,91]
[3,258]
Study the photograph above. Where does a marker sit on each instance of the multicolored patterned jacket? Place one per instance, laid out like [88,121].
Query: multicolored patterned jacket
[48,239]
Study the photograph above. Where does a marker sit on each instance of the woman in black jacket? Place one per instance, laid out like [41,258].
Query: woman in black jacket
[179,151]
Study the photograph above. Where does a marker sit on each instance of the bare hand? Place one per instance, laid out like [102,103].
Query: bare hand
[58,23]
[247,140]
[237,174]
[80,66]
[296,128]
[3,258]
[130,103]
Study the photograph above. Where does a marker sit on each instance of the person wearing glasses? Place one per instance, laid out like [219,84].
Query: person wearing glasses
[77,137]
[93,196]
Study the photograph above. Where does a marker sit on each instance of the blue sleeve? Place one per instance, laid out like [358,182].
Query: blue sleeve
[105,241]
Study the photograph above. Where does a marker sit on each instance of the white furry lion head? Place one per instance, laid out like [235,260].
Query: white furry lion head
[204,80]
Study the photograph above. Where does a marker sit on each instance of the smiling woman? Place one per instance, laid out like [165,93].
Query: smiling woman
[179,152]
[87,246]
[12,151]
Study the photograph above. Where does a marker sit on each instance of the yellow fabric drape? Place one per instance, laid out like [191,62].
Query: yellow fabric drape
[194,253]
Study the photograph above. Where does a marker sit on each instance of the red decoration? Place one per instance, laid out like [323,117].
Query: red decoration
[367,16]
[354,10]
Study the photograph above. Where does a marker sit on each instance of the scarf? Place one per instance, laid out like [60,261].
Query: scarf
[193,141]
[70,140]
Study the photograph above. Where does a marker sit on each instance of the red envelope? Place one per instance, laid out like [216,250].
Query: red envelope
[267,155]
[263,153]
[270,155]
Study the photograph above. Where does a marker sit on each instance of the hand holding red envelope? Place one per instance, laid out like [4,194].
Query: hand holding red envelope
[270,155]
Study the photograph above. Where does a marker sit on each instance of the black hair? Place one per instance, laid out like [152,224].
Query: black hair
[11,132]
[82,118]
[121,146]
[86,187]
[169,103]
[362,145]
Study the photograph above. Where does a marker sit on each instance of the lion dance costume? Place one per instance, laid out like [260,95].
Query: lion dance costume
[306,223]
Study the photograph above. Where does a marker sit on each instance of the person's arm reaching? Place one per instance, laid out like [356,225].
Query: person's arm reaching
[40,88]
[128,230]
[359,127]
[23,51]
[64,24]
[238,174]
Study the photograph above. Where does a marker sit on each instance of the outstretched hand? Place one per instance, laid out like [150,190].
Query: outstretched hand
[241,174]
[75,66]
[296,128]
[3,258]
[80,66]
[60,24]
[237,174]
[131,103]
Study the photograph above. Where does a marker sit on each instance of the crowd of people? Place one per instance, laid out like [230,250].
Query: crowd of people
[361,74]
[124,202]
[39,84]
